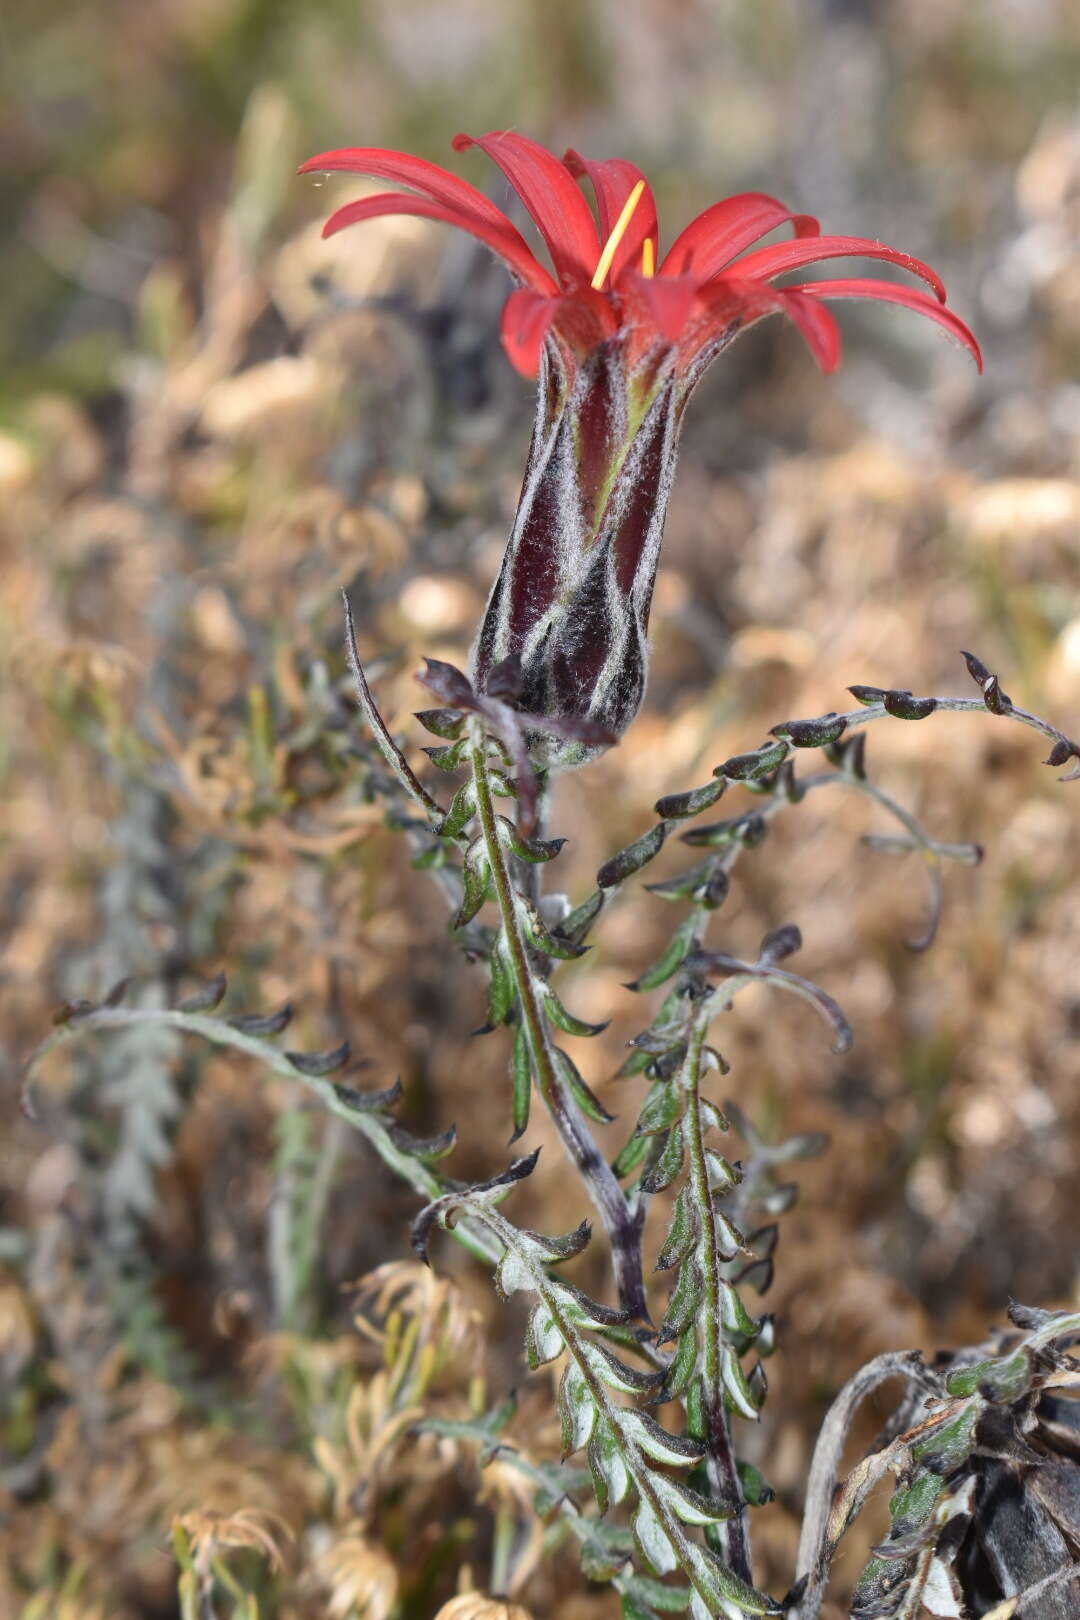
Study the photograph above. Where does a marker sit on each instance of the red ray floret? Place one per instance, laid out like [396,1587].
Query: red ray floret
[891,292]
[727,229]
[437,195]
[552,197]
[772,261]
[613,180]
[708,286]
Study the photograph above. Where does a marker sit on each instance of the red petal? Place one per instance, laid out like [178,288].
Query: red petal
[817,326]
[556,204]
[773,261]
[661,301]
[890,292]
[727,298]
[613,180]
[427,178]
[502,237]
[526,321]
[727,229]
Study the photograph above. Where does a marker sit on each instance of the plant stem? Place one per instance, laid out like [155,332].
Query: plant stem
[217,1030]
[720,1455]
[622,1228]
[686,1552]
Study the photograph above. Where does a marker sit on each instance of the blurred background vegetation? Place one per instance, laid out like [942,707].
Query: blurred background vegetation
[210,422]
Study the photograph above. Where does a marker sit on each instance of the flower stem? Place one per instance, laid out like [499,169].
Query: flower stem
[620,1224]
[720,1455]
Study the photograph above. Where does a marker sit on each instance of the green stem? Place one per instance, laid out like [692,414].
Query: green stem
[502,1549]
[411,1169]
[622,1229]
[720,1455]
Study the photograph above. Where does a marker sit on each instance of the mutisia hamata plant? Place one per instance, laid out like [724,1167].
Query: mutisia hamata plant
[617,335]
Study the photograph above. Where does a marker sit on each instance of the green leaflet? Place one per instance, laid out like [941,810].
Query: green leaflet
[502,990]
[564,1020]
[580,1091]
[610,1475]
[755,1487]
[653,1544]
[575,926]
[533,850]
[722,1175]
[450,758]
[672,959]
[631,1156]
[685,1301]
[540,936]
[521,1074]
[736,1385]
[543,1338]
[631,859]
[729,1238]
[475,875]
[752,767]
[662,1107]
[682,1231]
[675,1450]
[683,1364]
[678,806]
[733,1313]
[577,1410]
[461,811]
[654,1596]
[689,1505]
[668,1163]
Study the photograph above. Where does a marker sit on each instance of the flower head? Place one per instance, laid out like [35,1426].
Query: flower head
[606,275]
[620,336]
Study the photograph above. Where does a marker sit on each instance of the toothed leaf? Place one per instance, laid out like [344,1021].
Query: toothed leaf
[206,997]
[502,989]
[674,1449]
[579,1090]
[682,1232]
[684,1303]
[445,723]
[540,936]
[652,1541]
[677,806]
[262,1023]
[543,1340]
[319,1063]
[521,1071]
[663,1106]
[564,1020]
[735,1383]
[690,1506]
[475,875]
[682,1366]
[632,858]
[670,961]
[668,1163]
[577,1410]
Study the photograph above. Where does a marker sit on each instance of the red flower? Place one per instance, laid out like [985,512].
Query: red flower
[620,341]
[610,279]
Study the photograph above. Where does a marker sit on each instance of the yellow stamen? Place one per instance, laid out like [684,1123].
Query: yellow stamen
[648,257]
[618,232]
